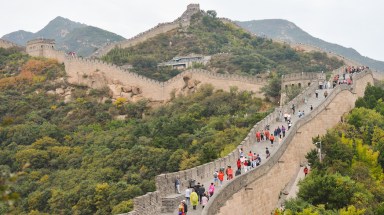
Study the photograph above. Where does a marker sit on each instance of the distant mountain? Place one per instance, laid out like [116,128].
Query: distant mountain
[288,31]
[69,36]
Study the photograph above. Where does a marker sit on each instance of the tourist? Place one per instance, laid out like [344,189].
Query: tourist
[272,138]
[216,178]
[204,200]
[181,209]
[211,189]
[194,199]
[201,192]
[317,93]
[325,94]
[283,130]
[311,107]
[289,125]
[245,165]
[238,163]
[177,185]
[305,171]
[221,178]
[258,136]
[229,173]
[266,135]
[185,207]
[187,194]
[267,152]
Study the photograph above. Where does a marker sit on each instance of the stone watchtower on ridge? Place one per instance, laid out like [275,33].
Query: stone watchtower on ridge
[191,10]
[39,47]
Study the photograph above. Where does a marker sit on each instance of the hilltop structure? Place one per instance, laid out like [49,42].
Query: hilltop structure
[183,21]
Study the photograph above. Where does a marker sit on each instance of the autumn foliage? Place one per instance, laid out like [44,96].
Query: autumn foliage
[34,70]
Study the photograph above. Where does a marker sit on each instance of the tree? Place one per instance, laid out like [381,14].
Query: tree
[273,88]
[212,13]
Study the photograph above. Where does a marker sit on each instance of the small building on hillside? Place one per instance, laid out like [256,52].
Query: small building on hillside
[184,62]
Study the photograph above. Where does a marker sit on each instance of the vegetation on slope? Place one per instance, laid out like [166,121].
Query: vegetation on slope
[350,178]
[76,159]
[207,35]
[288,31]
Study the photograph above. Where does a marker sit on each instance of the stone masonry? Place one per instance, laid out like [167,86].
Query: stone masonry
[98,74]
[182,21]
[257,191]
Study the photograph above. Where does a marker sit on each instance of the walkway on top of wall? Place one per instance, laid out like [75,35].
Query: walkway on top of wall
[258,147]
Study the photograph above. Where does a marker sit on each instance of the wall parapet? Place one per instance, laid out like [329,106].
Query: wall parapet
[235,185]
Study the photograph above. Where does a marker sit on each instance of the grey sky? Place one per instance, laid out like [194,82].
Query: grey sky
[352,23]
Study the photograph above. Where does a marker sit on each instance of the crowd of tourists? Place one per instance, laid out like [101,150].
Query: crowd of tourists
[198,195]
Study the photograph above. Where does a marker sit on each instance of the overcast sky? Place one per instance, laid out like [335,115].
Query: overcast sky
[352,23]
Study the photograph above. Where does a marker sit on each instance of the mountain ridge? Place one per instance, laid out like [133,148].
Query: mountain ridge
[69,36]
[288,31]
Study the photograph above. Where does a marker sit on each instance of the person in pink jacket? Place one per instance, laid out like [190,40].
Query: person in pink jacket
[211,189]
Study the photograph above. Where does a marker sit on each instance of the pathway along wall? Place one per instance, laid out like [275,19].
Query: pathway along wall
[257,191]
[152,203]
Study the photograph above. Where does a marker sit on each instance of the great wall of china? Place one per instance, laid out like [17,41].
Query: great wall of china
[266,181]
[182,21]
[98,74]
[258,190]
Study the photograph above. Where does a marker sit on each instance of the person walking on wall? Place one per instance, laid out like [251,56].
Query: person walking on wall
[181,209]
[305,171]
[201,192]
[221,178]
[177,185]
[317,93]
[325,94]
[272,138]
[194,199]
[185,207]
[230,173]
[211,189]
[267,152]
[187,194]
[216,178]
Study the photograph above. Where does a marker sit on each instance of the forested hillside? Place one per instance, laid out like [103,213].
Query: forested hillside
[349,180]
[75,158]
[233,50]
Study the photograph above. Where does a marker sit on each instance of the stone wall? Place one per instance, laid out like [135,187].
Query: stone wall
[257,191]
[161,28]
[123,83]
[165,182]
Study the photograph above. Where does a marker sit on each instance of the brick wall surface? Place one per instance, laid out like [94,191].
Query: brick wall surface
[257,191]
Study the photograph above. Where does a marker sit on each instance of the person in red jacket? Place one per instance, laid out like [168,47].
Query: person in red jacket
[221,178]
[305,171]
[258,136]
[272,138]
[238,164]
[266,133]
[230,173]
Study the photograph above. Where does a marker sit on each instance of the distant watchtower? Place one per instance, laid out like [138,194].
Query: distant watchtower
[39,47]
[191,9]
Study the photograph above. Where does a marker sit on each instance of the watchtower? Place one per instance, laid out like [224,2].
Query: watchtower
[39,47]
[191,9]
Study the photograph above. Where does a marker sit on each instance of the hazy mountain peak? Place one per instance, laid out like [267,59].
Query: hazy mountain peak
[69,36]
[288,31]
